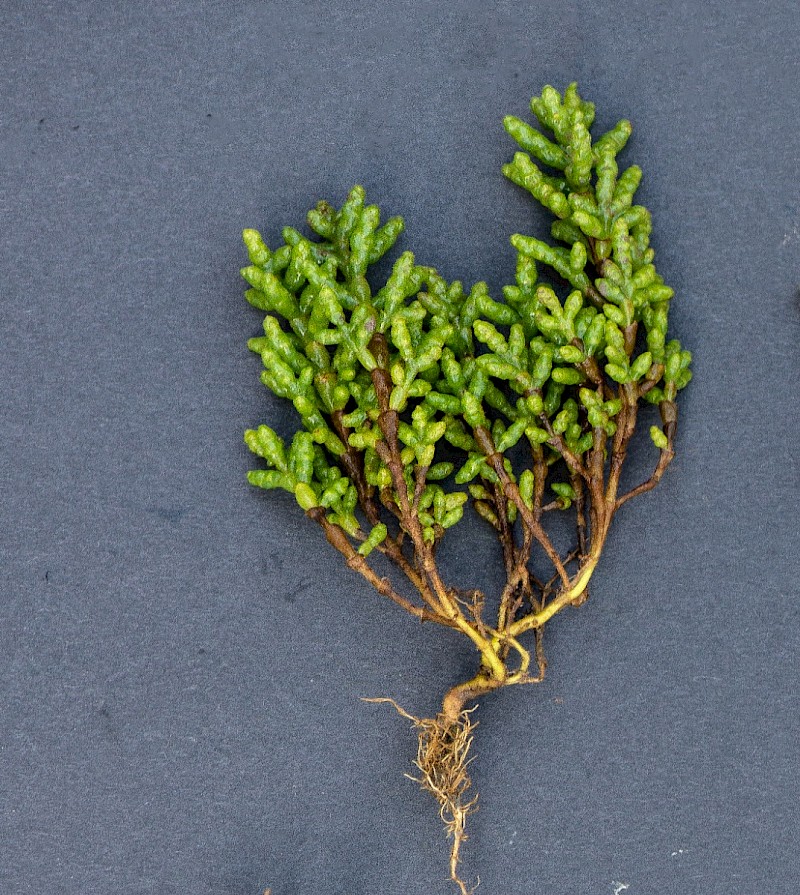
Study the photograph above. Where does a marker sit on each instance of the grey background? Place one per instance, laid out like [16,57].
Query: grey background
[182,656]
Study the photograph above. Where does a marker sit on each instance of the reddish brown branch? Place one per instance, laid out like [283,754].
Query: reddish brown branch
[338,539]
[669,417]
[486,443]
[389,451]
[352,461]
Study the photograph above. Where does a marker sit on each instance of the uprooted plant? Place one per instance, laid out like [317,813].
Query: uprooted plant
[417,395]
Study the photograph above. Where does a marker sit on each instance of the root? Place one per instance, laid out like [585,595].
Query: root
[442,764]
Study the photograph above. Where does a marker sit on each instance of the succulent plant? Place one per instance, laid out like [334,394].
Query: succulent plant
[417,398]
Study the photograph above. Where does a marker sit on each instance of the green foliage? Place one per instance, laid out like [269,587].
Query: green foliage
[549,367]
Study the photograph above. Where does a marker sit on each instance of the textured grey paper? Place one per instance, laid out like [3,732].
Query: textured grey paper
[181,656]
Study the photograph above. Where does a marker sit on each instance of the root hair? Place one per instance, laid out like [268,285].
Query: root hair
[442,761]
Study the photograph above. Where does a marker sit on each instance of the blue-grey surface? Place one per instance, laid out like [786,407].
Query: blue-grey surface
[182,656]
